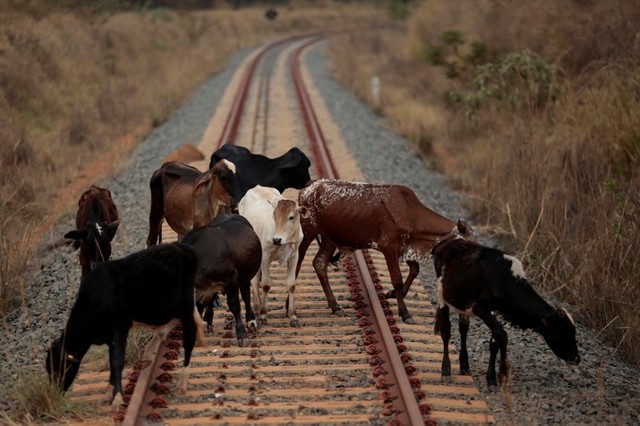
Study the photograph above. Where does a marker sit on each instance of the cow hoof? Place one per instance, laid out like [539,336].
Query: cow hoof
[409,320]
[391,294]
[465,371]
[493,388]
[253,326]
[339,312]
[244,342]
[446,380]
[294,322]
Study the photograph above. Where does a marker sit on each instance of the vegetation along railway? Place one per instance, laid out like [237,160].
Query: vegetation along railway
[366,367]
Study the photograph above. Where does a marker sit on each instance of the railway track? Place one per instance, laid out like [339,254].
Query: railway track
[366,367]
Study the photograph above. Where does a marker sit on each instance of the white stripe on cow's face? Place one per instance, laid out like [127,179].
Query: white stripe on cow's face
[516,267]
[230,165]
[568,316]
[99,229]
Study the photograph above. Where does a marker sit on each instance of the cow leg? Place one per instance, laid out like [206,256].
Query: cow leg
[116,362]
[250,316]
[302,250]
[291,288]
[264,284]
[205,310]
[233,301]
[443,326]
[200,325]
[396,280]
[414,270]
[463,327]
[320,264]
[156,215]
[498,342]
[189,332]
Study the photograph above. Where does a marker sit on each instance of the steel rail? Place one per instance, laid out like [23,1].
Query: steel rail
[409,411]
[230,129]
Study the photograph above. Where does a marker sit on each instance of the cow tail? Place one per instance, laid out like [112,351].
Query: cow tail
[438,322]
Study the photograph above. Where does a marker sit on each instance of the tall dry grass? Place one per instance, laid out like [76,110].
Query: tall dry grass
[552,168]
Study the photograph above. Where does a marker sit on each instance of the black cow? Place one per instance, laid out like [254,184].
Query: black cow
[478,280]
[229,255]
[97,220]
[291,170]
[152,287]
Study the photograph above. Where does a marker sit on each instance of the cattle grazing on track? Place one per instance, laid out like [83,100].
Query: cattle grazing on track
[276,221]
[152,288]
[290,170]
[475,280]
[229,255]
[96,223]
[388,218]
[188,198]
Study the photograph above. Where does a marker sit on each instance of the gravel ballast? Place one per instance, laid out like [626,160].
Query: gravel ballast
[543,390]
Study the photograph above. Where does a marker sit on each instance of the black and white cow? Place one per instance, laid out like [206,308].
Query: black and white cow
[152,288]
[290,170]
[475,280]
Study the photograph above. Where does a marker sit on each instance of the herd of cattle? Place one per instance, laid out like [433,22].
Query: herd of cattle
[232,222]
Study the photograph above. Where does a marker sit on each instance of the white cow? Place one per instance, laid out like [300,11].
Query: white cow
[276,220]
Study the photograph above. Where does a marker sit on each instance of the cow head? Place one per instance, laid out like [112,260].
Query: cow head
[286,216]
[215,192]
[95,241]
[296,164]
[559,332]
[61,366]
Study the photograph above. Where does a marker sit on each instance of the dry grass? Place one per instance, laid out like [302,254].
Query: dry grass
[555,172]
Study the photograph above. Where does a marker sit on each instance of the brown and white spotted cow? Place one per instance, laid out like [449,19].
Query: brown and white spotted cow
[388,218]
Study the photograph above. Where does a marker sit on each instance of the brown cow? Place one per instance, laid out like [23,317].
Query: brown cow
[96,224]
[189,198]
[388,218]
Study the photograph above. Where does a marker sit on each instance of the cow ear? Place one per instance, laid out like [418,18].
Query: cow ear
[77,234]
[304,212]
[273,202]
[112,228]
[464,229]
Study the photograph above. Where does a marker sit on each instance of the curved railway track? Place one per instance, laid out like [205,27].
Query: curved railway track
[365,367]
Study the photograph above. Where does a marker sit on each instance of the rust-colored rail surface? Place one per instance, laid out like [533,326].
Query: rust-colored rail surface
[366,367]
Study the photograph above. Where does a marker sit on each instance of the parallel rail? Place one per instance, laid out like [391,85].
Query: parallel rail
[363,368]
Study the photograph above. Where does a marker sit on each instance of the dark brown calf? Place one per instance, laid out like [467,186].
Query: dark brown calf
[188,198]
[229,255]
[96,223]
[388,218]
[475,280]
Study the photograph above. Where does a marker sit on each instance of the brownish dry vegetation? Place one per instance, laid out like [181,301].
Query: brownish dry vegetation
[533,109]
[78,78]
